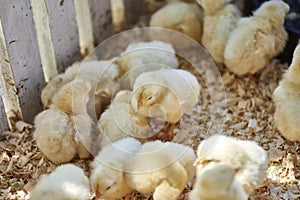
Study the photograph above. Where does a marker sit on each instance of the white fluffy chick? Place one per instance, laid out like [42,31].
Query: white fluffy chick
[257,39]
[64,130]
[217,181]
[145,56]
[152,169]
[247,157]
[220,19]
[118,121]
[165,93]
[65,182]
[180,16]
[107,177]
[287,100]
[102,75]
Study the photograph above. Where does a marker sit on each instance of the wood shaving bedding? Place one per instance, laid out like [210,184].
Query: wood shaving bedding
[248,114]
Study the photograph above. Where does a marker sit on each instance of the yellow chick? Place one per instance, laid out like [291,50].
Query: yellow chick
[57,82]
[287,100]
[180,16]
[64,130]
[165,93]
[107,177]
[144,56]
[257,39]
[152,169]
[102,75]
[217,181]
[220,19]
[119,122]
[247,157]
[65,182]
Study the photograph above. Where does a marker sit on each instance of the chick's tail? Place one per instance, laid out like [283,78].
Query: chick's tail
[293,72]
[295,66]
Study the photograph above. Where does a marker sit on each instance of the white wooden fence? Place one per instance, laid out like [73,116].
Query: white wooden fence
[40,38]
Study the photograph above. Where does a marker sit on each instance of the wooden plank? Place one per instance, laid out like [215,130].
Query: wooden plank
[13,109]
[85,27]
[102,19]
[118,14]
[24,55]
[3,119]
[44,37]
[64,32]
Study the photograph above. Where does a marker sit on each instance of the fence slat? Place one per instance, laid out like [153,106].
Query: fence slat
[84,24]
[3,119]
[118,14]
[44,37]
[12,105]
[24,55]
[64,32]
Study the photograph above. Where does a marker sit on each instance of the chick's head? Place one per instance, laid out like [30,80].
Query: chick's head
[107,182]
[274,10]
[147,96]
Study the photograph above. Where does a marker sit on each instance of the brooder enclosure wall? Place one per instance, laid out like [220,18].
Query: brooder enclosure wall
[20,53]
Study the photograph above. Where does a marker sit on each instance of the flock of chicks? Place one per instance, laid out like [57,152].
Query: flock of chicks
[132,156]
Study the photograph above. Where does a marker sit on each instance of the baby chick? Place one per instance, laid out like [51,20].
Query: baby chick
[217,181]
[102,75]
[107,177]
[220,19]
[247,157]
[152,169]
[165,93]
[57,82]
[145,56]
[65,182]
[64,130]
[118,121]
[287,100]
[257,39]
[180,16]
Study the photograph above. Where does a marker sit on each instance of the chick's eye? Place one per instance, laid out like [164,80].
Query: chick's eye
[108,187]
[149,98]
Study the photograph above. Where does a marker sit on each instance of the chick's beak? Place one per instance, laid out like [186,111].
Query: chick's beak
[98,195]
[197,162]
[140,104]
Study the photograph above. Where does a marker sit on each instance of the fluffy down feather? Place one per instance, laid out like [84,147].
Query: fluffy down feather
[247,157]
[287,100]
[118,121]
[257,39]
[145,56]
[64,130]
[102,75]
[65,182]
[217,181]
[165,93]
[218,24]
[107,178]
[180,16]
[152,169]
